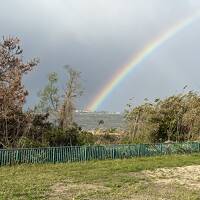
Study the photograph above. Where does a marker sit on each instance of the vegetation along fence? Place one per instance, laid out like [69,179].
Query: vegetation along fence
[85,153]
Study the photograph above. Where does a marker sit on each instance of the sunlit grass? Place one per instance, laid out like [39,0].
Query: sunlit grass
[110,179]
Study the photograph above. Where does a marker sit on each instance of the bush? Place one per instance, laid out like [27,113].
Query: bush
[86,138]
[25,142]
[176,118]
[60,137]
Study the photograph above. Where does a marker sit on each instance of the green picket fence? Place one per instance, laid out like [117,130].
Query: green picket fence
[85,153]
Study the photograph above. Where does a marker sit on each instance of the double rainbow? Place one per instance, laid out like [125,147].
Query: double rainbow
[138,58]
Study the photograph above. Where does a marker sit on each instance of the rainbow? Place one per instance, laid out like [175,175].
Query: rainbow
[138,58]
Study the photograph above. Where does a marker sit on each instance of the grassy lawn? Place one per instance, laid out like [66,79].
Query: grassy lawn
[110,179]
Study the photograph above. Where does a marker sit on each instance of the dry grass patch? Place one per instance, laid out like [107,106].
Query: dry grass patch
[74,190]
[188,176]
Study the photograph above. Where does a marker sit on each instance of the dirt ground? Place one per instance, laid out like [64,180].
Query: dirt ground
[163,184]
[188,176]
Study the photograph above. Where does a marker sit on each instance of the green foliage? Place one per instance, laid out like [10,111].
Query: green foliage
[25,142]
[49,97]
[86,138]
[126,139]
[72,136]
[107,138]
[176,118]
[60,137]
[33,130]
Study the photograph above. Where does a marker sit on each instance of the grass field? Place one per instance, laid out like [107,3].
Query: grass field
[152,178]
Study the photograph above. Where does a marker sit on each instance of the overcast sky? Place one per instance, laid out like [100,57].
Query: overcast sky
[97,37]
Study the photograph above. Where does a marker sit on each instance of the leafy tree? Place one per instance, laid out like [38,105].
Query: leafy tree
[19,128]
[175,118]
[12,92]
[49,98]
[37,133]
[60,106]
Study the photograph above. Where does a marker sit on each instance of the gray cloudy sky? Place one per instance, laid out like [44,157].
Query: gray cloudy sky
[96,37]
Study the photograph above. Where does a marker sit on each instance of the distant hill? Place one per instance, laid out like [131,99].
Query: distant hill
[90,120]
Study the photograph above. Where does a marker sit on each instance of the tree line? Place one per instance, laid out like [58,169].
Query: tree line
[175,118]
[51,121]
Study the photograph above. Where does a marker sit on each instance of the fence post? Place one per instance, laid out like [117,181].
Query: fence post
[138,150]
[85,153]
[54,155]
[161,148]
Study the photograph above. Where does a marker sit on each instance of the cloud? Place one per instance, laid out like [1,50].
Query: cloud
[98,36]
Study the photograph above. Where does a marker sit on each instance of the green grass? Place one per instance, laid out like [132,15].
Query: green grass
[110,179]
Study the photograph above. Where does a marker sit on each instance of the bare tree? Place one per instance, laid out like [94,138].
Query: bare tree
[72,91]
